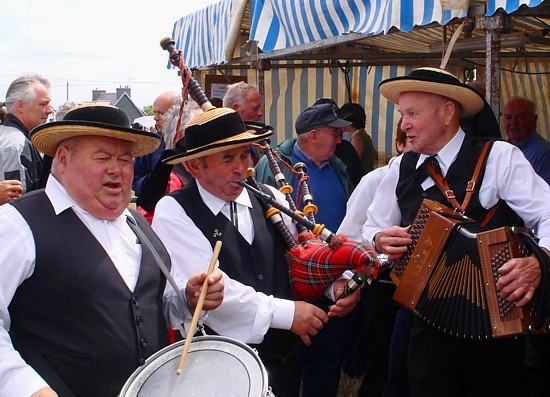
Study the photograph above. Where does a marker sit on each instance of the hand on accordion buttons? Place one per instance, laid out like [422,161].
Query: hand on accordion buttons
[519,280]
[308,320]
[345,305]
[393,241]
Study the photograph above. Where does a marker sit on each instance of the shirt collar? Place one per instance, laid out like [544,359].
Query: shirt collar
[61,200]
[216,204]
[448,153]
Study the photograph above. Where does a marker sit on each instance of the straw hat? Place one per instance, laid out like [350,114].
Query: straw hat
[435,81]
[93,120]
[214,131]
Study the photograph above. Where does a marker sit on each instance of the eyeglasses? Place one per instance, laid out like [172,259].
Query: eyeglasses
[335,132]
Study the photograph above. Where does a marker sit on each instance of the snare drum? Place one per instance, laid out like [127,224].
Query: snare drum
[214,366]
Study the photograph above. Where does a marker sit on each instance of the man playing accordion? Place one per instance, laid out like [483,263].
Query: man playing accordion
[431,102]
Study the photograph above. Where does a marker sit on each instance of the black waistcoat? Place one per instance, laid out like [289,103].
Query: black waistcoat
[261,265]
[74,320]
[410,193]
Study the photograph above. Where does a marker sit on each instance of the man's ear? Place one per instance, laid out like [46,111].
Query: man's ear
[19,106]
[61,158]
[194,167]
[450,108]
[313,135]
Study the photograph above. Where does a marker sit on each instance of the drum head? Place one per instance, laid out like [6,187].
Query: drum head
[214,366]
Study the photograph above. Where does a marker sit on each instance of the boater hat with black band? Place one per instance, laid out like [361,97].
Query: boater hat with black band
[214,131]
[93,120]
[434,81]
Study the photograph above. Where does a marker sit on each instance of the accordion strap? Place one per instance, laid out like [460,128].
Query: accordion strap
[443,184]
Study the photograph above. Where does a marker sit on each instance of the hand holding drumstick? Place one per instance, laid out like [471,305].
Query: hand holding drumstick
[215,297]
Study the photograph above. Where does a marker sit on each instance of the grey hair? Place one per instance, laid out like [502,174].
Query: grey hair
[171,121]
[236,93]
[63,109]
[21,89]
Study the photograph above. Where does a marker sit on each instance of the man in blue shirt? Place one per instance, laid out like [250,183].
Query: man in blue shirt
[319,130]
[520,125]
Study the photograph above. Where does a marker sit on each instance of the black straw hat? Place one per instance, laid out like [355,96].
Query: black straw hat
[93,120]
[434,81]
[214,131]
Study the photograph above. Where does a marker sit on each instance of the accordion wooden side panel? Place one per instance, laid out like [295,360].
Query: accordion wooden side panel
[427,209]
[422,261]
[496,247]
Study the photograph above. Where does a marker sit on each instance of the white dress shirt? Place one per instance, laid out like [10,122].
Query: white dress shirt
[508,176]
[17,261]
[359,201]
[245,314]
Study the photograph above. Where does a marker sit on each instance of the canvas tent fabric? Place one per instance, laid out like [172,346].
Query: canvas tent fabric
[203,36]
[292,85]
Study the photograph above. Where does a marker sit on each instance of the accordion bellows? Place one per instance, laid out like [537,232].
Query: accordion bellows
[450,275]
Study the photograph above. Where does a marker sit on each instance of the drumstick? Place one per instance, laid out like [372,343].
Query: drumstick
[198,308]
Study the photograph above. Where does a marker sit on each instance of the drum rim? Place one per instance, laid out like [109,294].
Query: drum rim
[129,384]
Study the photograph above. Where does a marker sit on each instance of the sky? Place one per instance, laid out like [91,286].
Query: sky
[85,45]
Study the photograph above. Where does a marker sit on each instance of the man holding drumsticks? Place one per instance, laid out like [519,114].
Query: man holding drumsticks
[258,308]
[81,295]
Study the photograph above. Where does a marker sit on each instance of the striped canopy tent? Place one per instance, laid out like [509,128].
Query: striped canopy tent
[296,51]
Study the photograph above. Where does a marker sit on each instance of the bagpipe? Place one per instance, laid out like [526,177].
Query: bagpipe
[318,257]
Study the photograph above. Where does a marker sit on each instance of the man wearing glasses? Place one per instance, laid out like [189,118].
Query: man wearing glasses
[319,130]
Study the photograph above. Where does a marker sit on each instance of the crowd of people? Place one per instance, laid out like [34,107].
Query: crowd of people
[91,288]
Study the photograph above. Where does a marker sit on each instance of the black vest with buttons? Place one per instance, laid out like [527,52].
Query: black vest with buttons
[74,320]
[260,265]
[410,194]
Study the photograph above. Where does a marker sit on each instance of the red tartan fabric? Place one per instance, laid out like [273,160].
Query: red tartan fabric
[314,265]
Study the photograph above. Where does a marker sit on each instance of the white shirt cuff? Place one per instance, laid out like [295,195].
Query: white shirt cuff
[283,315]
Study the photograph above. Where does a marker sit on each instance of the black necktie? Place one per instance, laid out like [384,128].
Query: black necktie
[234,214]
[421,172]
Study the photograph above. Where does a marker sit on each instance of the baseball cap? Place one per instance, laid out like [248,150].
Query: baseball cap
[317,116]
[342,114]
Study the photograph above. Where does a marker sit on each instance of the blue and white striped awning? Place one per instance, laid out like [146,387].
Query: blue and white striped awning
[206,37]
[509,6]
[278,24]
[202,36]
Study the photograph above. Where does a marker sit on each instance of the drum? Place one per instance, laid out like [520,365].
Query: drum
[214,366]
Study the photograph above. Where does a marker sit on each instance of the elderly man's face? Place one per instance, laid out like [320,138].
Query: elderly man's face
[220,173]
[325,141]
[519,120]
[160,106]
[251,108]
[38,110]
[423,121]
[97,172]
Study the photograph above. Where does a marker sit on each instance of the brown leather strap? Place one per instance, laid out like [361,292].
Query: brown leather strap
[443,185]
[490,214]
[470,187]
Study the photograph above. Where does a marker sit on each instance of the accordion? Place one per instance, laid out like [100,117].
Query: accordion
[448,276]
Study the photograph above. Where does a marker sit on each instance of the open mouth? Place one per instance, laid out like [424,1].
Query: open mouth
[112,185]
